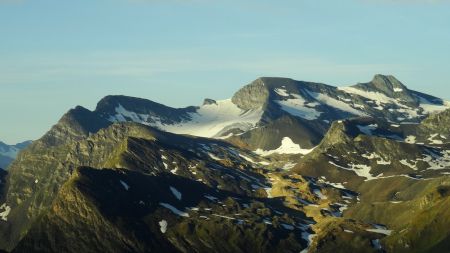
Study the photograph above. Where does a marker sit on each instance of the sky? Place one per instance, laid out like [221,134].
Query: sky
[56,54]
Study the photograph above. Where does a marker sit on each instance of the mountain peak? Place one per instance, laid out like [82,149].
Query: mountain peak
[257,94]
[252,96]
[83,120]
[388,83]
[77,123]
[389,86]
[109,103]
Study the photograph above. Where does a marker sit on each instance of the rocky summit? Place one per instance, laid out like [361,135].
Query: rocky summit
[282,166]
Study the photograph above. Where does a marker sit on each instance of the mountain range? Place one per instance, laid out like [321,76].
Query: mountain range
[282,166]
[9,152]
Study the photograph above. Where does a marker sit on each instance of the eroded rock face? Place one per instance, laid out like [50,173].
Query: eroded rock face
[252,96]
[388,84]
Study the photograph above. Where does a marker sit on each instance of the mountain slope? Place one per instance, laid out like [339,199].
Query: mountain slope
[402,184]
[32,189]
[213,172]
[131,212]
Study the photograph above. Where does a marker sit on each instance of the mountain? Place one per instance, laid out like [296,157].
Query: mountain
[155,185]
[403,182]
[9,152]
[282,166]
[265,111]
[262,113]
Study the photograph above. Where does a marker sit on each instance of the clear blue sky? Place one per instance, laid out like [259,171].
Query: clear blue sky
[56,54]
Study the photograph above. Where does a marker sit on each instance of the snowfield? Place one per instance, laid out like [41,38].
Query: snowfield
[327,100]
[298,107]
[210,120]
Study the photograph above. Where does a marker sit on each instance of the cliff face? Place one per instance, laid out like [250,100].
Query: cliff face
[252,96]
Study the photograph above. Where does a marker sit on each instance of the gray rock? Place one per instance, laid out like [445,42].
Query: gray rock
[252,96]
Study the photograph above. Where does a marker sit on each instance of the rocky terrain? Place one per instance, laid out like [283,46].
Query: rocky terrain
[282,166]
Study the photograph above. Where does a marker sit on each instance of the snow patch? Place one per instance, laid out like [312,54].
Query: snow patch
[434,141]
[435,161]
[225,217]
[371,95]
[163,226]
[359,169]
[411,139]
[211,198]
[337,104]
[319,194]
[174,171]
[174,210]
[383,162]
[288,166]
[367,130]
[287,226]
[380,231]
[406,163]
[335,185]
[4,214]
[309,239]
[125,185]
[175,192]
[269,192]
[282,92]
[298,107]
[379,100]
[214,157]
[287,147]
